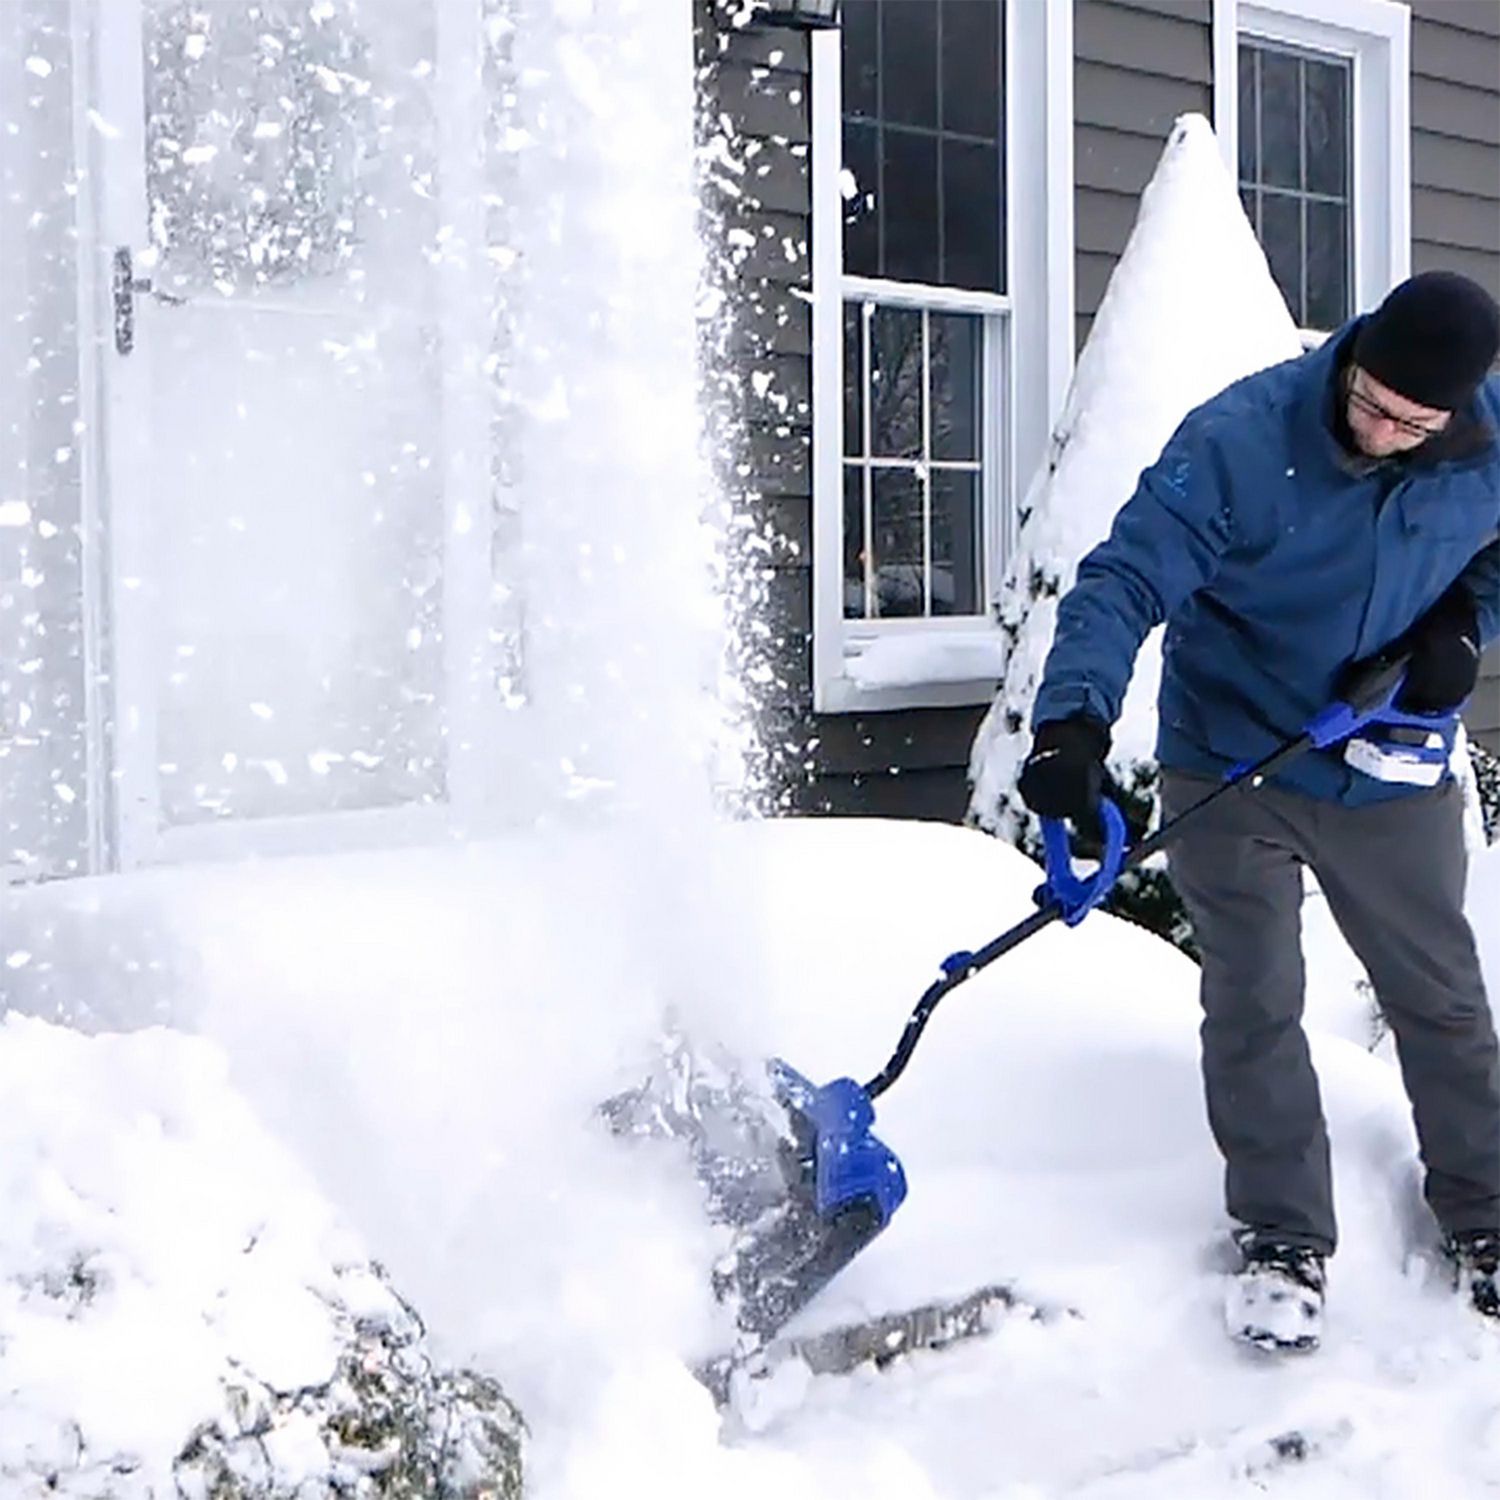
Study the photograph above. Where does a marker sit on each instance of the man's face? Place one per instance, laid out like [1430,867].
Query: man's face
[1384,422]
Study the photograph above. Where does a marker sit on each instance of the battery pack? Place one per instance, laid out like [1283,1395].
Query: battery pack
[1399,753]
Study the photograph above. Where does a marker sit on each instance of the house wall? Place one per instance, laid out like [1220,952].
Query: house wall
[1138,65]
[909,764]
[1455,184]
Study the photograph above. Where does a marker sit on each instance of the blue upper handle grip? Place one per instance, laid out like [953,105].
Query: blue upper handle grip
[1340,720]
[1075,895]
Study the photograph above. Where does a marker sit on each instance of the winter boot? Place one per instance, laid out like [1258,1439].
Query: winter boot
[1475,1257]
[1275,1299]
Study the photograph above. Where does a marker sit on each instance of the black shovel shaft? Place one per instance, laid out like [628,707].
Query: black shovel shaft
[998,947]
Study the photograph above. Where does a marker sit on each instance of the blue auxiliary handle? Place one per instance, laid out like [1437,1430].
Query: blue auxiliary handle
[1076,895]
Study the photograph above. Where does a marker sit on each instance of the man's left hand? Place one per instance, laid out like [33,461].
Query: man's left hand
[1444,664]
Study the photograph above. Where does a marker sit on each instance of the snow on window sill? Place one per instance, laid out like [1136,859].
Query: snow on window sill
[923,667]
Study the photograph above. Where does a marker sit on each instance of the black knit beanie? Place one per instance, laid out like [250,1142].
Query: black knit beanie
[1432,340]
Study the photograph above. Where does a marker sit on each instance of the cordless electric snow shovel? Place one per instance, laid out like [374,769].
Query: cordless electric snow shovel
[844,1183]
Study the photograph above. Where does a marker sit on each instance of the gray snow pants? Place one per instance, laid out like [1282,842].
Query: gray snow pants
[1393,875]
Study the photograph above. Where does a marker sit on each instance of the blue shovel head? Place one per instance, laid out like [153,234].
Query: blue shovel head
[843,1184]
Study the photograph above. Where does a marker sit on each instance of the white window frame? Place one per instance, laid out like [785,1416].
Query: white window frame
[1027,358]
[1375,36]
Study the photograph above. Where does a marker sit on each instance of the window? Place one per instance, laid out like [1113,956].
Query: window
[913,470]
[1295,126]
[939,355]
[1312,107]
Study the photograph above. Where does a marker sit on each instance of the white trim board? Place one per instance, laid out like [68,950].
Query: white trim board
[1376,36]
[1039,328]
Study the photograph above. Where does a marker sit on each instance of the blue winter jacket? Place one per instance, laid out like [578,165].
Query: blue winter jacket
[1275,559]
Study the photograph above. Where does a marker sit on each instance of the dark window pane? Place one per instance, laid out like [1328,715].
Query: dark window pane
[1327,128]
[971,217]
[1281,235]
[955,341]
[1327,264]
[854,375]
[973,86]
[1280,120]
[1249,124]
[896,382]
[955,542]
[1250,200]
[899,537]
[861,212]
[909,216]
[908,62]
[854,542]
[859,78]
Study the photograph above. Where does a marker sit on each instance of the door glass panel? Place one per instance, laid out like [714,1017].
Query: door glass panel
[295,503]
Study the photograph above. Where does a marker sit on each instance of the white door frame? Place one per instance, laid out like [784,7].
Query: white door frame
[124,603]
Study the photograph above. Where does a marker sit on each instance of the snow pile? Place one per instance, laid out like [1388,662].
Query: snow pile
[1190,308]
[433,1031]
[181,1312]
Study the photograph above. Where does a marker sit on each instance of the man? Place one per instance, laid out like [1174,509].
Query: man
[1300,525]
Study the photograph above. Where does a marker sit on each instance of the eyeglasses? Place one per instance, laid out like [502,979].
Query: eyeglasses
[1372,408]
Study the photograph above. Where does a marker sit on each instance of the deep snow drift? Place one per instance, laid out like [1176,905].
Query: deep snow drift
[431,1031]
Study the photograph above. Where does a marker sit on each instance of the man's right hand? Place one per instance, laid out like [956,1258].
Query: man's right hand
[1064,776]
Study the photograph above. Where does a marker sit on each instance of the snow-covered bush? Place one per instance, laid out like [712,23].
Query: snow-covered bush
[1486,769]
[1190,308]
[181,1314]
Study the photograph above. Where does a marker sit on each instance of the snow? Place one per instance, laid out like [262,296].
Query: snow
[225,1084]
[910,660]
[1190,308]
[424,1036]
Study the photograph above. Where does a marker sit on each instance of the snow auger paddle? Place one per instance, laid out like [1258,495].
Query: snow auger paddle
[843,1183]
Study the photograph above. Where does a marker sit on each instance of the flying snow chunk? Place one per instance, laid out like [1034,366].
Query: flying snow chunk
[39,66]
[15,513]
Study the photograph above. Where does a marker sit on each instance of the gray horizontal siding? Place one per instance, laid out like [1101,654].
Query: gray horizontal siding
[757,79]
[1455,170]
[912,764]
[1137,67]
[1455,107]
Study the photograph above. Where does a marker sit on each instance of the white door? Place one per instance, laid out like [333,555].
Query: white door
[295,475]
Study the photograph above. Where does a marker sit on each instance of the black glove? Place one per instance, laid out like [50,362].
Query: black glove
[1444,665]
[1064,776]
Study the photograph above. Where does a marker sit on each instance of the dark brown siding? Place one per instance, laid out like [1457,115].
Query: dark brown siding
[1455,183]
[1138,64]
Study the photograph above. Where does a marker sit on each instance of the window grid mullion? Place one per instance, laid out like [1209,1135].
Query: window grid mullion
[924,474]
[1302,182]
[942,246]
[867,471]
